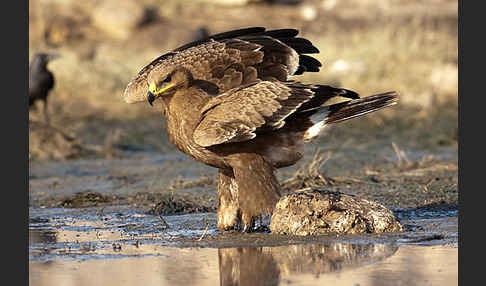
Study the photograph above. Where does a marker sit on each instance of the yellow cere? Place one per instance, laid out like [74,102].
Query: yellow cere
[153,88]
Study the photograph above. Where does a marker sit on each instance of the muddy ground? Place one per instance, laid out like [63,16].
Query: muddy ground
[414,184]
[174,183]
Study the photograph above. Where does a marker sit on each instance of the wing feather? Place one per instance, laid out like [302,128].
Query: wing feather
[239,114]
[260,54]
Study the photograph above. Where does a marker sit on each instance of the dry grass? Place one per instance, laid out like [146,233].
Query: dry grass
[401,156]
[167,203]
[203,181]
[309,175]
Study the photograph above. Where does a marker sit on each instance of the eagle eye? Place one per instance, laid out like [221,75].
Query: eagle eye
[167,79]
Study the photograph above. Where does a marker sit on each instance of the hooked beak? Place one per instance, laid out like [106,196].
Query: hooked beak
[150,98]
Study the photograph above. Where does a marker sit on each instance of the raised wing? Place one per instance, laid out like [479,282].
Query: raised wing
[232,59]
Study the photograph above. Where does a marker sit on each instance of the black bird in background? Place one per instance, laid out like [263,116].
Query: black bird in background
[201,33]
[41,80]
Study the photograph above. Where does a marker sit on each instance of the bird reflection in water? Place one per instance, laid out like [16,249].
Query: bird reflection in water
[266,265]
[247,266]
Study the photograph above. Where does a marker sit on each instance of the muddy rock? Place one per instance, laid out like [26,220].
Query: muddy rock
[317,211]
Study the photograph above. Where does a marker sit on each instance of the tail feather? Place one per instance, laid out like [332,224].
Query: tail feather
[324,115]
[357,107]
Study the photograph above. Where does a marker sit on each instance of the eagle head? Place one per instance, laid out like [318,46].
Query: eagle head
[178,78]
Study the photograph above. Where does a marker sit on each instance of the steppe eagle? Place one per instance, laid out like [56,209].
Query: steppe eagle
[229,103]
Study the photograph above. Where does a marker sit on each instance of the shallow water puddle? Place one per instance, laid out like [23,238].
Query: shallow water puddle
[113,232]
[314,264]
[123,246]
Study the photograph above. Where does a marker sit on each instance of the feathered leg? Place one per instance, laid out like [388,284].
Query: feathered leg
[258,188]
[228,216]
[246,193]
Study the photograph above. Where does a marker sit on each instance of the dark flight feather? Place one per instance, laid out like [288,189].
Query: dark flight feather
[346,110]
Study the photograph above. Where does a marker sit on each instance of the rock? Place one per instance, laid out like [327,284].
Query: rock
[445,78]
[61,30]
[308,13]
[48,142]
[119,18]
[316,211]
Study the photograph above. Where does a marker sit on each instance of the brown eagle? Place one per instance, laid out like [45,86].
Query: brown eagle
[229,103]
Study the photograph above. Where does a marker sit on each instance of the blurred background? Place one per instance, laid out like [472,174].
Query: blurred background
[367,46]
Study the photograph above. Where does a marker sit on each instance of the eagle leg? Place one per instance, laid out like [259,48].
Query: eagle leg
[228,214]
[258,188]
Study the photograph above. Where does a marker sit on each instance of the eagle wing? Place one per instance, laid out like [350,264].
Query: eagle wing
[239,114]
[232,59]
